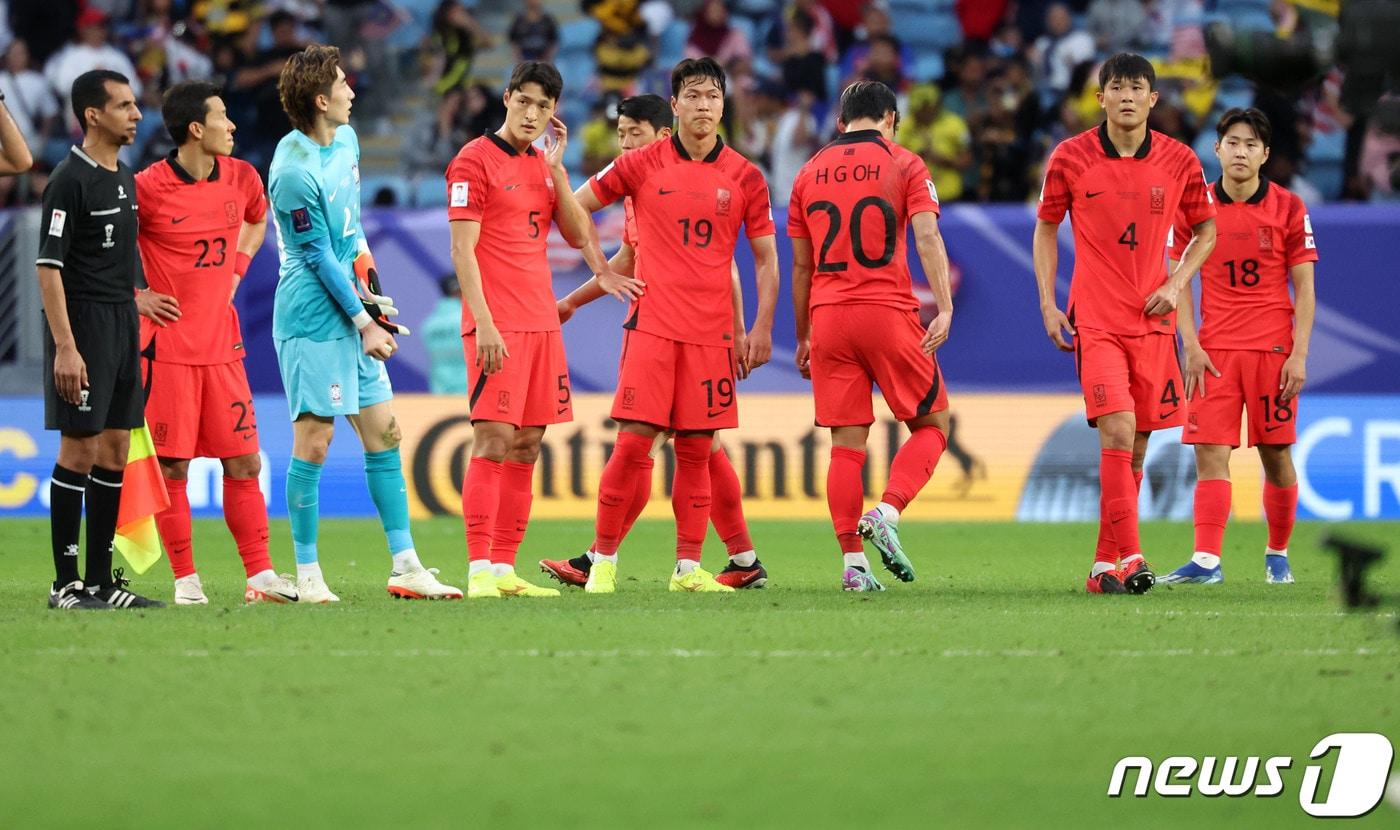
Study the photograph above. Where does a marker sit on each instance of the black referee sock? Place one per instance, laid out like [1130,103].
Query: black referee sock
[104,494]
[65,519]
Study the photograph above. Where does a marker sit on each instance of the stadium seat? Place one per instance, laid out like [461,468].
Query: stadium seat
[578,35]
[926,27]
[429,192]
[928,67]
[1204,146]
[1247,15]
[672,43]
[1325,160]
[372,186]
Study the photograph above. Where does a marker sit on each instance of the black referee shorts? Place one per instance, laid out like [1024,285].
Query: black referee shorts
[108,337]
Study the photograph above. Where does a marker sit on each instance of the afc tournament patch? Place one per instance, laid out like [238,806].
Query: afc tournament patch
[57,221]
[301,220]
[459,195]
[722,201]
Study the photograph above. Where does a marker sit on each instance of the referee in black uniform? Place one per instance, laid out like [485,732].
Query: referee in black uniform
[88,265]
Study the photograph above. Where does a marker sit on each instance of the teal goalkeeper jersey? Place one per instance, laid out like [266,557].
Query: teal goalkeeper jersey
[315,197]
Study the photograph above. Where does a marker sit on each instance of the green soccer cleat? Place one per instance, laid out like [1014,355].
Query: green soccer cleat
[698,581]
[885,537]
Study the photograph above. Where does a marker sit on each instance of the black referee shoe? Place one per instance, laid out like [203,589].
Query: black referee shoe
[74,597]
[116,595]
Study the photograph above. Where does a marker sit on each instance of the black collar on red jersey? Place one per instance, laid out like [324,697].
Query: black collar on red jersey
[680,148]
[1258,196]
[184,175]
[1112,152]
[863,136]
[506,146]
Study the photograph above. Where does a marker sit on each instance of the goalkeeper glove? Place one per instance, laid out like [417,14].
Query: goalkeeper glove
[378,306]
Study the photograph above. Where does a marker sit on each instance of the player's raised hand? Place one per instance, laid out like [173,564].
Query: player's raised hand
[1197,364]
[491,351]
[623,288]
[69,374]
[161,309]
[804,358]
[555,140]
[758,348]
[378,343]
[937,333]
[1162,301]
[1293,376]
[741,357]
[1056,323]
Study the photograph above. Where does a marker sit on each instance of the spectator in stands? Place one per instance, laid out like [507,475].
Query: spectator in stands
[89,50]
[599,135]
[534,34]
[711,35]
[29,98]
[874,24]
[939,137]
[780,136]
[158,41]
[46,25]
[803,64]
[845,18]
[485,111]
[968,97]
[456,35]
[1002,150]
[1117,25]
[442,335]
[882,64]
[820,31]
[253,85]
[1379,162]
[980,19]
[1060,49]
[436,136]
[623,48]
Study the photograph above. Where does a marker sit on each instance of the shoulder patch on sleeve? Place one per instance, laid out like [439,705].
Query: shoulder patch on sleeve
[460,196]
[301,220]
[57,221]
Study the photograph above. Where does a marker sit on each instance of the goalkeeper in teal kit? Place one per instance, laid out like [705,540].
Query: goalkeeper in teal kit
[330,323]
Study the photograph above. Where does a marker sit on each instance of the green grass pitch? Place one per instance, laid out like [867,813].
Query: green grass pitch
[992,692]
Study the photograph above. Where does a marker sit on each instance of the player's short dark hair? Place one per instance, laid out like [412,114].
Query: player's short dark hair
[693,69]
[184,104]
[1127,66]
[652,109]
[867,99]
[90,90]
[537,72]
[305,75]
[1253,117]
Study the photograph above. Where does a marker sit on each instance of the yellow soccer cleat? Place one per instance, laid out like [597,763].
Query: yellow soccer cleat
[699,581]
[482,585]
[511,585]
[602,578]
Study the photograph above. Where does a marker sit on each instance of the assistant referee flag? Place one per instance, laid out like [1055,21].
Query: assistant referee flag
[143,496]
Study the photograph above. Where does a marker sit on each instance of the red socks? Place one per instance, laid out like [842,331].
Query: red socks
[1280,510]
[618,490]
[845,495]
[1212,513]
[727,509]
[913,465]
[1118,501]
[1107,549]
[174,526]
[481,498]
[245,513]
[513,511]
[690,495]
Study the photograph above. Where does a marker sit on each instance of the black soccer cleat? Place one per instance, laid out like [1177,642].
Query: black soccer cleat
[738,577]
[74,597]
[1138,577]
[1107,582]
[117,596]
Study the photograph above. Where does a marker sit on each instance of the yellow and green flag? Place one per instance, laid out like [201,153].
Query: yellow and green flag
[143,496]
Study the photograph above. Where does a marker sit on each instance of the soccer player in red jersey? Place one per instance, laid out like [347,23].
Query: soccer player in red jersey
[502,196]
[691,195]
[1253,342]
[642,120]
[858,318]
[203,217]
[1123,185]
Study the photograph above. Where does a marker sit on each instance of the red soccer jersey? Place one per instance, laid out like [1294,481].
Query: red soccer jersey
[1245,302]
[688,217]
[188,241]
[512,196]
[856,195]
[1121,210]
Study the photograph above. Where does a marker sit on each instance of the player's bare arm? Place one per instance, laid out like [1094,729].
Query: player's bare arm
[1197,361]
[69,370]
[621,262]
[1295,372]
[15,157]
[1046,253]
[161,309]
[741,335]
[622,287]
[491,349]
[250,240]
[934,256]
[1164,299]
[802,268]
[758,350]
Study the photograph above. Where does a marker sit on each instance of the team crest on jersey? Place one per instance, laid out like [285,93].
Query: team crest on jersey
[503,401]
[159,431]
[335,394]
[1159,199]
[231,212]
[1266,239]
[1100,395]
[629,397]
[722,201]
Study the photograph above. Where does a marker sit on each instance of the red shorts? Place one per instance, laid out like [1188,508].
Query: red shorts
[855,346]
[200,411]
[532,387]
[675,385]
[1248,382]
[1139,374]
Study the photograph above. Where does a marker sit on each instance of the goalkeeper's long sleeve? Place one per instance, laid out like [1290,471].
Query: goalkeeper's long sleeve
[336,280]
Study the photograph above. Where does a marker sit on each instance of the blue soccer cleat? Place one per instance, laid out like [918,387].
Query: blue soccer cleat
[1276,570]
[1193,574]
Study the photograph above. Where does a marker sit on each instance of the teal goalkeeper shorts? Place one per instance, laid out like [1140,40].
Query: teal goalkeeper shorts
[330,377]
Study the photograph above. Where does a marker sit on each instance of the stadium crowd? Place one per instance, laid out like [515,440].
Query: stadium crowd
[986,86]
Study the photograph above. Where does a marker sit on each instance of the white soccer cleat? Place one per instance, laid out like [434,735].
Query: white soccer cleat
[270,587]
[421,584]
[188,591]
[313,589]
